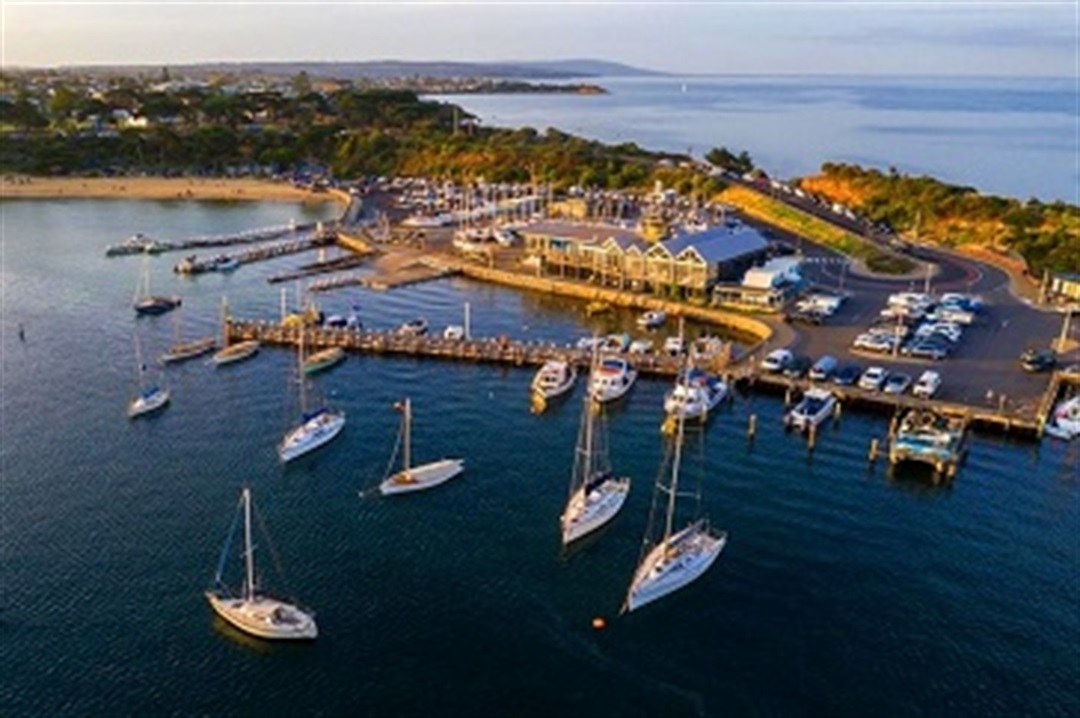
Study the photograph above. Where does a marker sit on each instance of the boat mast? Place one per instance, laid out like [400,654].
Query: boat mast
[676,461]
[249,558]
[407,418]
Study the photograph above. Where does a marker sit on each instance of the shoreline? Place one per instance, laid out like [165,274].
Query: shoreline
[157,188]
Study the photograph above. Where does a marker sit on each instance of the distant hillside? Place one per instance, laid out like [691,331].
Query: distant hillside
[558,69]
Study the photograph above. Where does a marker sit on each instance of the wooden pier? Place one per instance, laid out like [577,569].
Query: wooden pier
[191,265]
[141,245]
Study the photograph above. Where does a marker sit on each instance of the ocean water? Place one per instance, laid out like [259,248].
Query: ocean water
[844,590]
[1007,136]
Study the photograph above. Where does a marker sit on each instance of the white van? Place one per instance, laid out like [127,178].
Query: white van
[777,360]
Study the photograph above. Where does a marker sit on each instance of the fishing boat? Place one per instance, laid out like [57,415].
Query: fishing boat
[150,397]
[612,379]
[1065,420]
[695,395]
[322,360]
[147,304]
[316,428]
[816,406]
[678,557]
[596,494]
[555,378]
[652,319]
[251,610]
[416,478]
[926,436]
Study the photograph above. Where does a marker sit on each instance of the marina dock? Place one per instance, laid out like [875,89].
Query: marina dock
[140,244]
[740,371]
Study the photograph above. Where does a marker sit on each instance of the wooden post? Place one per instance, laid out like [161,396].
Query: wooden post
[751,427]
[838,409]
[873,450]
[812,437]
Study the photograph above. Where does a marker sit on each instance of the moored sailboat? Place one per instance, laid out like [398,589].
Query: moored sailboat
[253,611]
[183,350]
[316,428]
[596,494]
[678,557]
[147,304]
[232,353]
[416,478]
[323,360]
[150,397]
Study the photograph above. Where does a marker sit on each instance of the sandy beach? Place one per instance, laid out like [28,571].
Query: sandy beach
[159,188]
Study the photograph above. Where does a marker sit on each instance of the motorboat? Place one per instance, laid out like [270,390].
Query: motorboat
[816,406]
[928,437]
[236,352]
[252,610]
[416,478]
[674,346]
[454,333]
[225,263]
[695,395]
[615,343]
[1065,420]
[322,360]
[612,379]
[652,319]
[555,378]
[641,346]
[413,328]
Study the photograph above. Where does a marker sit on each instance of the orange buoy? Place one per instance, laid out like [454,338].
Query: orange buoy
[599,623]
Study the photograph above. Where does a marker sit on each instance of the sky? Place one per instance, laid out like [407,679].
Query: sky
[886,37]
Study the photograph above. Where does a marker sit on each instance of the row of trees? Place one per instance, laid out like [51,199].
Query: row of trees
[1046,235]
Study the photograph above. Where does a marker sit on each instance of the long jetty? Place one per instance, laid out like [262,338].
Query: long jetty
[141,244]
[504,350]
[195,266]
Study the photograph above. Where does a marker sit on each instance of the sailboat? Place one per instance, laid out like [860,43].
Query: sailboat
[679,557]
[147,303]
[253,611]
[416,478]
[316,428]
[151,397]
[596,495]
[232,353]
[184,350]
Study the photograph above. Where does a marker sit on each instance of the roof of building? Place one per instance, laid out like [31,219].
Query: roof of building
[581,231]
[718,244]
[1068,276]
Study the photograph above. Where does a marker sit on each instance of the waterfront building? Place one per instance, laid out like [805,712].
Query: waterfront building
[687,265]
[1066,285]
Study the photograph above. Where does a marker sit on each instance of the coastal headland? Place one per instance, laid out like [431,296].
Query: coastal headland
[158,188]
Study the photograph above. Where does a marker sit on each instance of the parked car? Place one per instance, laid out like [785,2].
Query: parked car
[896,383]
[927,348]
[777,360]
[798,367]
[927,384]
[806,316]
[823,368]
[873,378]
[847,375]
[1036,360]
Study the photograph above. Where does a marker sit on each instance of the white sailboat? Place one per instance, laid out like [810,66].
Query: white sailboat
[416,478]
[679,557]
[232,353]
[253,611]
[316,428]
[596,495]
[151,397]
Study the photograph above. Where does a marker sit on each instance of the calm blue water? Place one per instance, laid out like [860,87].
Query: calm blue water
[1009,136]
[842,591]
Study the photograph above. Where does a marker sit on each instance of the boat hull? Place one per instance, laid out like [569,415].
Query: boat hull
[423,477]
[265,617]
[148,403]
[152,306]
[674,563]
[698,404]
[321,361]
[236,352]
[189,350]
[312,434]
[546,388]
[587,512]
